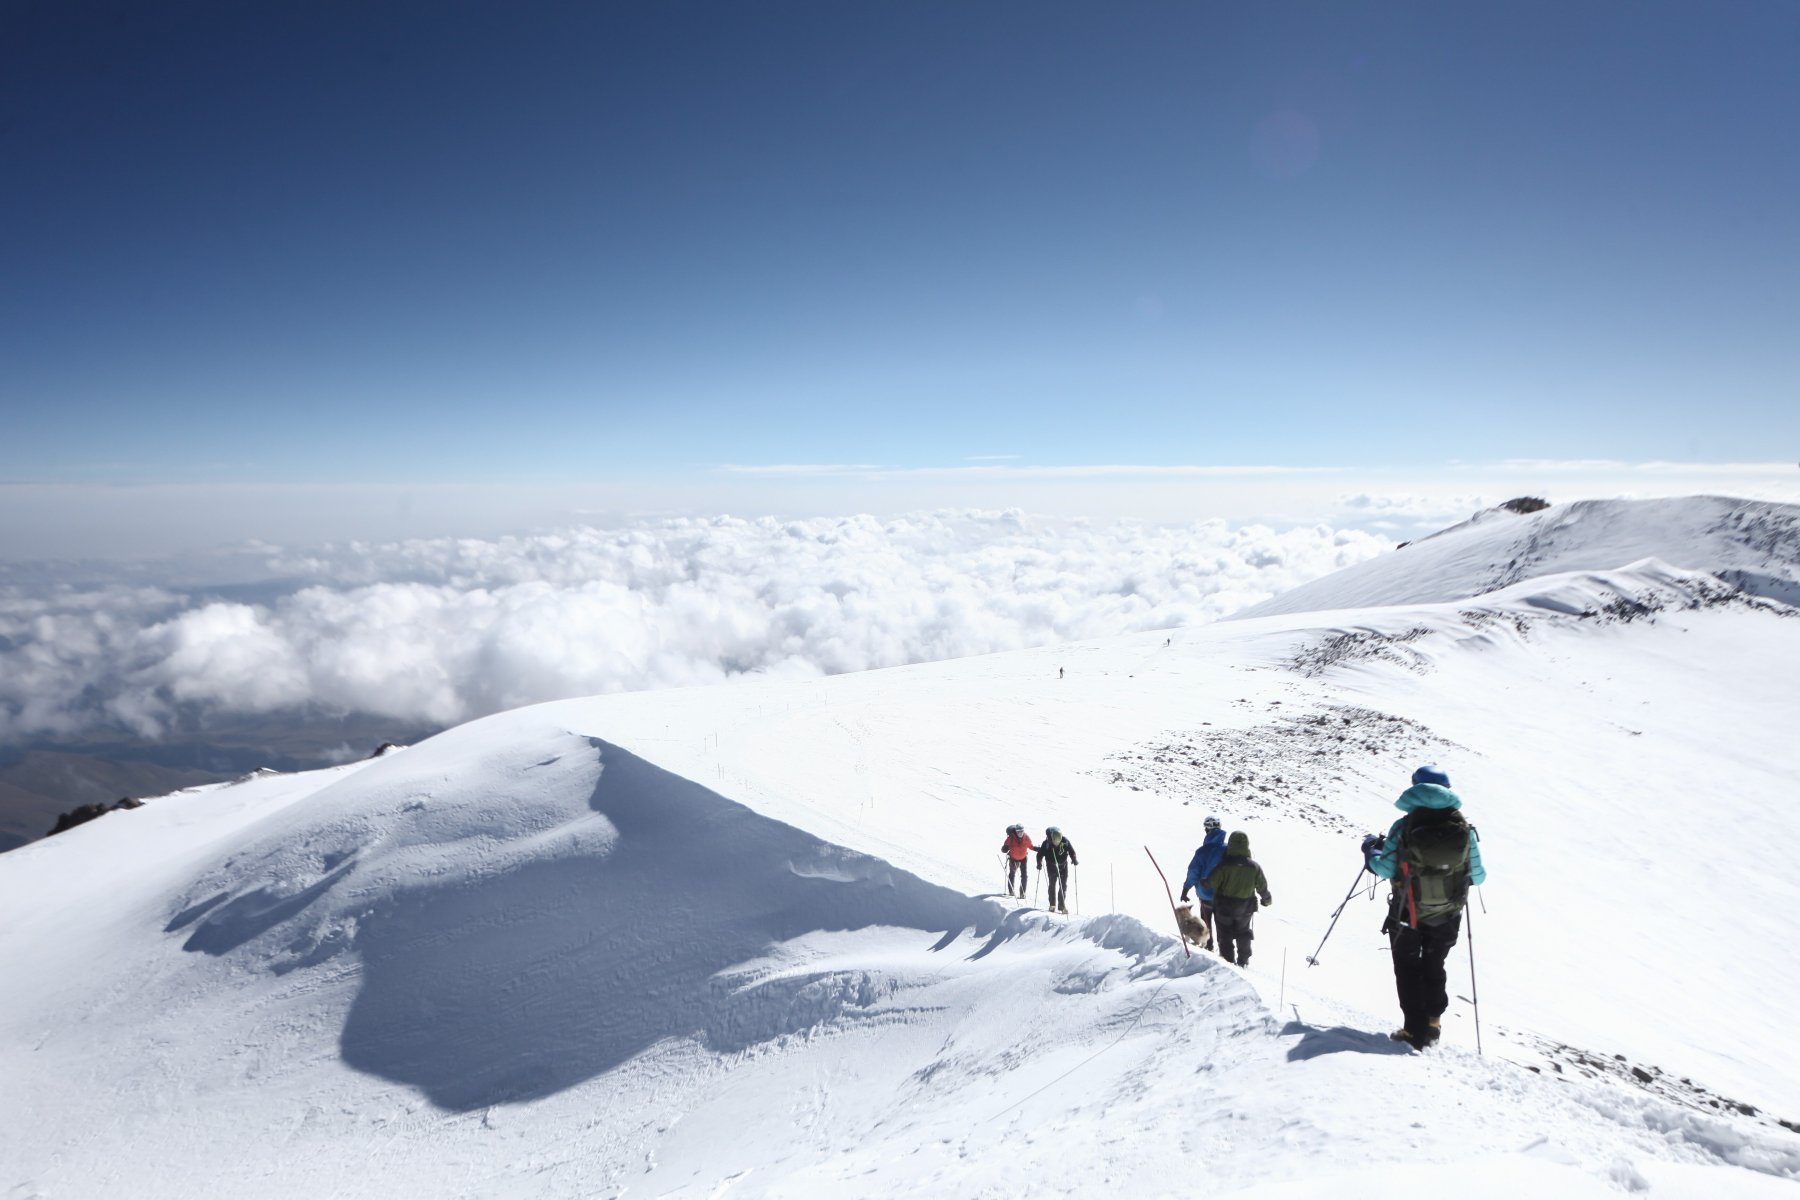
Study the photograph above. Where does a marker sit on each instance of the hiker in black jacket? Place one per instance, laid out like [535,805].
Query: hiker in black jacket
[1055,856]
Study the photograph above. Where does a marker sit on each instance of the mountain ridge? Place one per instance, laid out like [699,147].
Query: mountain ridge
[1754,545]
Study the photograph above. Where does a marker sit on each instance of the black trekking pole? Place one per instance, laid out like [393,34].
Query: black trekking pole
[1312,960]
[1474,991]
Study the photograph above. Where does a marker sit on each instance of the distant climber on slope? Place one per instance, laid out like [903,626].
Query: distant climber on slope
[1016,846]
[1206,860]
[1236,883]
[1055,857]
[1432,855]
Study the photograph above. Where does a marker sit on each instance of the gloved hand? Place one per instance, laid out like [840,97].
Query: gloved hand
[1184,898]
[1373,845]
[1270,901]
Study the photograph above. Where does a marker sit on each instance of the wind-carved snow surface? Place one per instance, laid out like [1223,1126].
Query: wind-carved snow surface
[744,941]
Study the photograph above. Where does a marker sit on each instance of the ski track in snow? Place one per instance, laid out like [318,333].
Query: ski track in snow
[742,942]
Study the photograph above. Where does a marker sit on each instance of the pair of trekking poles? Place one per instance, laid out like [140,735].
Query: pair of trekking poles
[1312,960]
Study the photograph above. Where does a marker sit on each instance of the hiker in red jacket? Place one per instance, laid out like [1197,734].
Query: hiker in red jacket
[1016,846]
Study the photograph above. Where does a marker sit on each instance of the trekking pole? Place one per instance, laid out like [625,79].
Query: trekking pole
[1170,892]
[1312,960]
[1075,877]
[1474,991]
[1036,884]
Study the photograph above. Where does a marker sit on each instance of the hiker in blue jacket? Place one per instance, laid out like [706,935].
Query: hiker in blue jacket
[1206,860]
[1433,856]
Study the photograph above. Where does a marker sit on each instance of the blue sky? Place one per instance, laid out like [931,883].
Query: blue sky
[616,247]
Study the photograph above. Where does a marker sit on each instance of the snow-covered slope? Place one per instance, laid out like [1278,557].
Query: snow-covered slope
[744,940]
[1752,544]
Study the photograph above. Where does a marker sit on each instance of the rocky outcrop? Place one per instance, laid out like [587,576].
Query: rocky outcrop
[82,814]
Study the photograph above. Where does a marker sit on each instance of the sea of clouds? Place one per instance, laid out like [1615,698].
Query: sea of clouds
[436,631]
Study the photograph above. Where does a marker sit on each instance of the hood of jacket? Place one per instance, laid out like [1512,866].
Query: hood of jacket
[1214,837]
[1238,846]
[1427,795]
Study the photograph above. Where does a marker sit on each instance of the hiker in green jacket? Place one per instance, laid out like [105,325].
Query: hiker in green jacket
[1235,884]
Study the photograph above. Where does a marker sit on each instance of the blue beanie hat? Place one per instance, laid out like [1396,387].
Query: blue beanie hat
[1430,773]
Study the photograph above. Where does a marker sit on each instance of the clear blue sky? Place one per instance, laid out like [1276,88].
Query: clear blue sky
[416,242]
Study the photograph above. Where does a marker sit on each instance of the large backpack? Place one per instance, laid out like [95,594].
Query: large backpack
[1434,863]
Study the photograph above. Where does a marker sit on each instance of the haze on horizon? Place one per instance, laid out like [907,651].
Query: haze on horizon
[304,273]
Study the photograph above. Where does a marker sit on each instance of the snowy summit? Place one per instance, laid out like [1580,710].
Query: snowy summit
[755,940]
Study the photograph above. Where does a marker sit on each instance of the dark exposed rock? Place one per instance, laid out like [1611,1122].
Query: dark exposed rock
[83,813]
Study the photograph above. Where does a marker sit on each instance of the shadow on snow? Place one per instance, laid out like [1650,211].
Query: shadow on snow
[520,984]
[1315,1041]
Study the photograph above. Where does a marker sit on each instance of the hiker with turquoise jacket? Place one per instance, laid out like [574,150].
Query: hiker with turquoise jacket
[1432,855]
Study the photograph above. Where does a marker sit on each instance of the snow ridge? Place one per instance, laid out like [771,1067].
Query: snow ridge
[1754,545]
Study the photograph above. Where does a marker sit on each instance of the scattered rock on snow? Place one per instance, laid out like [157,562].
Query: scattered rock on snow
[1293,767]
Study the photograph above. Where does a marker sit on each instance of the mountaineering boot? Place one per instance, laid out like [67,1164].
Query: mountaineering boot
[1430,1036]
[1404,1034]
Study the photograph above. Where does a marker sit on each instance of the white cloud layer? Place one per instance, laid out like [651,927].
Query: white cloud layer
[441,630]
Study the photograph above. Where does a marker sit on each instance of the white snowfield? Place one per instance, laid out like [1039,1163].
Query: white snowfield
[1750,544]
[745,940]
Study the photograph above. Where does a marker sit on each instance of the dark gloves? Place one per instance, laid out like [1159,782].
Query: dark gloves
[1373,845]
[1184,898]
[1267,901]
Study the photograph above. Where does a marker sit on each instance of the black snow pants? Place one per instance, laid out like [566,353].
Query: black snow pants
[1419,956]
[1232,934]
[1057,876]
[1016,866]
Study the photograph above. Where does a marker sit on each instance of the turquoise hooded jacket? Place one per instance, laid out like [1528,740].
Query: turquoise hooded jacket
[1423,795]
